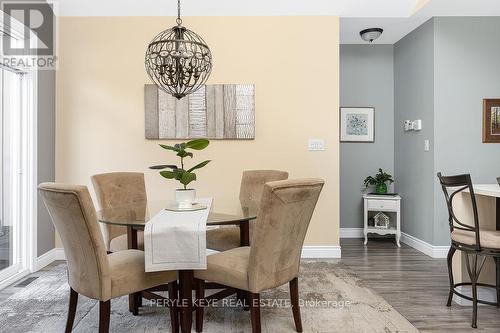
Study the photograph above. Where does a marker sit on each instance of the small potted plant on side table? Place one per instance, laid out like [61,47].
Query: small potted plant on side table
[379,181]
[183,196]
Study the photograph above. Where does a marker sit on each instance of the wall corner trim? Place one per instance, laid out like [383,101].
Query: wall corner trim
[433,251]
[49,257]
[351,233]
[321,252]
[308,252]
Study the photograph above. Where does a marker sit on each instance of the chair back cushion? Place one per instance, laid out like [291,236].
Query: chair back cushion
[118,189]
[74,217]
[451,186]
[252,183]
[285,211]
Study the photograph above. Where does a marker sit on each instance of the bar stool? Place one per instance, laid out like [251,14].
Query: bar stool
[470,239]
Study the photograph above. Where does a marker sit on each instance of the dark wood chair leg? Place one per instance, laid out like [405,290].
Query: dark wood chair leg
[200,295]
[294,298]
[73,301]
[173,295]
[497,264]
[133,303]
[451,252]
[255,312]
[104,313]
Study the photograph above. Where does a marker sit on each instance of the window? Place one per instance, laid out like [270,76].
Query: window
[17,171]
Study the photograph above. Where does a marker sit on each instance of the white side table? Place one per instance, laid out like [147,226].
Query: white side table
[383,203]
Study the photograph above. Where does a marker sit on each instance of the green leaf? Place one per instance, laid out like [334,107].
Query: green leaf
[187,178]
[163,166]
[168,174]
[199,165]
[169,147]
[197,144]
[184,153]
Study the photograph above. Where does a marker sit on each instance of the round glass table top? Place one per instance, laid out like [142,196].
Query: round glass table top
[138,214]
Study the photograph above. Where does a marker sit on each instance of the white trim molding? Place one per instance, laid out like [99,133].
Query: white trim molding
[321,252]
[351,233]
[49,257]
[437,252]
[433,251]
[308,252]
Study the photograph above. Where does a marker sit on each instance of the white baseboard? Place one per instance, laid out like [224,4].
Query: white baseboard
[321,252]
[49,257]
[14,278]
[437,252]
[483,293]
[308,252]
[351,233]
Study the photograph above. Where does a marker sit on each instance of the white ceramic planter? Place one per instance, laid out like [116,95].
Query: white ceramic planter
[185,198]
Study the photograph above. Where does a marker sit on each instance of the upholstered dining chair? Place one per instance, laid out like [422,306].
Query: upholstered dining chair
[91,271]
[118,189]
[469,238]
[252,184]
[273,259]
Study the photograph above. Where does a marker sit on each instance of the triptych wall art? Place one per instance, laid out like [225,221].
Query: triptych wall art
[219,111]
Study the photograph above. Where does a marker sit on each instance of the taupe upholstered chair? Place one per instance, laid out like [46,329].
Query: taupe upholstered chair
[252,184]
[117,189]
[274,257]
[92,272]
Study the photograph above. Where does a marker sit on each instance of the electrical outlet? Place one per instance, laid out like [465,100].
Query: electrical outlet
[316,144]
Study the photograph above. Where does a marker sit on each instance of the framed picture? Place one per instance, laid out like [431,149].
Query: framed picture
[491,120]
[357,124]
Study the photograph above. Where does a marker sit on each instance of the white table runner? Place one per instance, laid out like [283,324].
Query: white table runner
[177,240]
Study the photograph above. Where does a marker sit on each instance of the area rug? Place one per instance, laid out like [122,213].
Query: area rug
[333,299]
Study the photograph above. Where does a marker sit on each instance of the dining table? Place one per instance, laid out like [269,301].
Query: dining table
[134,218]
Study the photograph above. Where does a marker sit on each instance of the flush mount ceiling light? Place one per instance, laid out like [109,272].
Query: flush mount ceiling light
[177,60]
[369,35]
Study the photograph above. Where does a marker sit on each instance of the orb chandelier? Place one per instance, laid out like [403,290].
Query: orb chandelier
[177,60]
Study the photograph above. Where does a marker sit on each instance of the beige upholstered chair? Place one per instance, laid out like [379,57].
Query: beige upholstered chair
[252,184]
[274,257]
[92,272]
[118,189]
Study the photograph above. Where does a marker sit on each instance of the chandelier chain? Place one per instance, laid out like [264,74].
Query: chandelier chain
[179,20]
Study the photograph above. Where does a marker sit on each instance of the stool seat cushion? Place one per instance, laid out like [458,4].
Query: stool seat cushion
[488,238]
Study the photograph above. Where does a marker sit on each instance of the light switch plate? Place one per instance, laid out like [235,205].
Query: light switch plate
[427,145]
[316,145]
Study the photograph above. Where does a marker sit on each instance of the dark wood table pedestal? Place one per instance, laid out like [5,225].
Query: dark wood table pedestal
[186,281]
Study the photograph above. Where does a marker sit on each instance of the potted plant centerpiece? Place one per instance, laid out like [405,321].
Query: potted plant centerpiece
[379,181]
[183,196]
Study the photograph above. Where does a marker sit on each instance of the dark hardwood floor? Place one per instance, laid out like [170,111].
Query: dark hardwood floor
[415,285]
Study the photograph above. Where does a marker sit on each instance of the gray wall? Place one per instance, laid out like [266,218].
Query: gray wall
[366,79]
[467,69]
[46,154]
[414,99]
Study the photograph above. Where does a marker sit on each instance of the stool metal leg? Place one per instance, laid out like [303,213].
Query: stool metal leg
[451,252]
[474,272]
[497,264]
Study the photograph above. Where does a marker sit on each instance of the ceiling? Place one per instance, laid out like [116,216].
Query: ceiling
[396,28]
[396,17]
[389,8]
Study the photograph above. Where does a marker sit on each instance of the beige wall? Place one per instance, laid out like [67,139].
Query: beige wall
[293,61]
